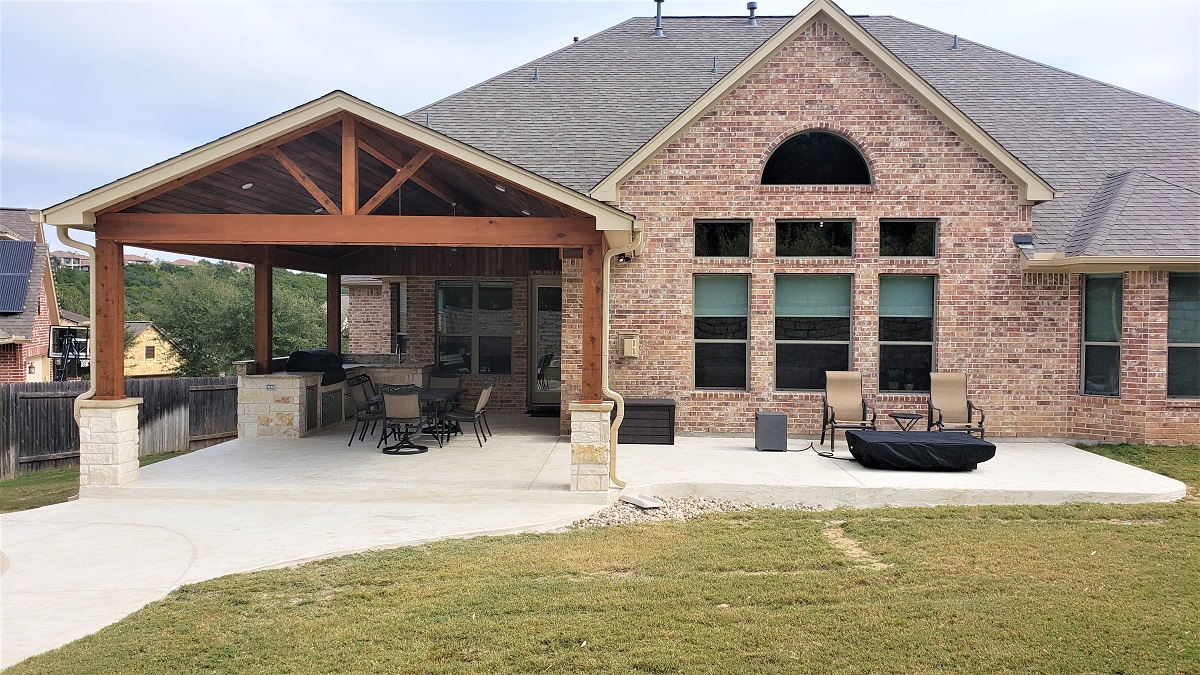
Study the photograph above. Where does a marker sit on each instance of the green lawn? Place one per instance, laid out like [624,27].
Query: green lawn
[51,487]
[1063,589]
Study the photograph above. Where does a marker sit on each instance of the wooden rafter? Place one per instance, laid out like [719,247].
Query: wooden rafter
[302,178]
[191,228]
[349,166]
[222,164]
[393,184]
[385,151]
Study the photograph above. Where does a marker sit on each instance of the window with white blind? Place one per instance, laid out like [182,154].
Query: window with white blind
[721,323]
[906,331]
[812,328]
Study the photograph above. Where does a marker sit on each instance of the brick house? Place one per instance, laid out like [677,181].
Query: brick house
[747,204]
[1046,245]
[28,304]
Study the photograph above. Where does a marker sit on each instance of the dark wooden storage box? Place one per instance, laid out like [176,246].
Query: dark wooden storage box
[648,420]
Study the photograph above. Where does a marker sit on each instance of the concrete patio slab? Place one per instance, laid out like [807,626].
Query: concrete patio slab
[70,569]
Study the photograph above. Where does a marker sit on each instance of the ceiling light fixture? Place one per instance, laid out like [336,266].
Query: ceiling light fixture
[501,187]
[318,210]
[247,186]
[523,211]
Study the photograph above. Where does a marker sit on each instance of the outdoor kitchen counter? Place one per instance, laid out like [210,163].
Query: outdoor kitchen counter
[392,373]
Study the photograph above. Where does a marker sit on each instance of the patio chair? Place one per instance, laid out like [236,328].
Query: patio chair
[477,418]
[949,407]
[542,364]
[368,406]
[401,418]
[844,405]
[445,381]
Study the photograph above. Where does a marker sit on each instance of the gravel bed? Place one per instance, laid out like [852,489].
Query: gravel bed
[676,508]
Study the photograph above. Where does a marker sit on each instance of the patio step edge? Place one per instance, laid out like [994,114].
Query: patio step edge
[306,493]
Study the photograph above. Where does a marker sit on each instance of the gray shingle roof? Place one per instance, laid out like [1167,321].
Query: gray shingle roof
[20,324]
[601,99]
[1127,205]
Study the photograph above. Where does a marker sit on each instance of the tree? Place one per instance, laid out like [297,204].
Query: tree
[72,286]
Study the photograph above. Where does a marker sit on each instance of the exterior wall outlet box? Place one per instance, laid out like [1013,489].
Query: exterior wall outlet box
[627,345]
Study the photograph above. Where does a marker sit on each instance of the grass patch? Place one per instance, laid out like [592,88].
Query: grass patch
[1181,462]
[52,486]
[1072,588]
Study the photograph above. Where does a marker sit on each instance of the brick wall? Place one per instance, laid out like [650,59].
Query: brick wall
[1015,335]
[369,319]
[12,363]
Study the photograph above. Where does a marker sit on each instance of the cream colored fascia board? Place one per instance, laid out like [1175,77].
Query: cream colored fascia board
[1032,188]
[1110,263]
[80,211]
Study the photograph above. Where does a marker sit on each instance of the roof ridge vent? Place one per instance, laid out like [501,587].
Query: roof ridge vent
[658,31]
[954,45]
[753,22]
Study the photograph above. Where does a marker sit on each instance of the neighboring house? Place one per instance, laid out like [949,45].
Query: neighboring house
[69,318]
[183,262]
[28,305]
[71,260]
[132,259]
[810,193]
[150,353]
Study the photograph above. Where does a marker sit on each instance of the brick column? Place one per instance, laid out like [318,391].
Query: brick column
[589,446]
[108,442]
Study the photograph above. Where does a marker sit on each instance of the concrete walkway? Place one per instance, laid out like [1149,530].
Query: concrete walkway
[70,569]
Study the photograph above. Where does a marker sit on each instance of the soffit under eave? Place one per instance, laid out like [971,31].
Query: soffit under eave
[80,212]
[1032,188]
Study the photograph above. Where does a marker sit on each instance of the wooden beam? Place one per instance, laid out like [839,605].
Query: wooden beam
[302,178]
[333,314]
[402,175]
[264,302]
[223,164]
[381,148]
[155,229]
[108,363]
[349,167]
[593,337]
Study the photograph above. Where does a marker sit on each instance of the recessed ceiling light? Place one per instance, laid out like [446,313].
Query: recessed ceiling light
[318,210]
[524,212]
[247,186]
[500,187]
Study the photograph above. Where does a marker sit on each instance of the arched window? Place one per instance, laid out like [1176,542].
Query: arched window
[816,158]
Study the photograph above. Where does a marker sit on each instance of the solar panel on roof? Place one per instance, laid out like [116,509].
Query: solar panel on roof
[16,260]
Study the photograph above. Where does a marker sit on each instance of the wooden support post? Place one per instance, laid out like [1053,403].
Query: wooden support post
[108,363]
[333,316]
[593,339]
[264,301]
[349,167]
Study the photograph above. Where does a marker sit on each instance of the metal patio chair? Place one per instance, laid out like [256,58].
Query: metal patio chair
[368,406]
[402,418]
[949,407]
[844,405]
[477,418]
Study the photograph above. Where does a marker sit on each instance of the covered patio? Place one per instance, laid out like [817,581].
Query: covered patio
[340,187]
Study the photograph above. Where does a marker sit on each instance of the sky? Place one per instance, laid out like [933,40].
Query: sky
[93,91]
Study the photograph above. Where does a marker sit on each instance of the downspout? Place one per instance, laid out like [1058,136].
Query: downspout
[631,247]
[65,237]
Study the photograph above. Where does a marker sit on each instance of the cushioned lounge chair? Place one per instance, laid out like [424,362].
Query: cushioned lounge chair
[844,405]
[949,407]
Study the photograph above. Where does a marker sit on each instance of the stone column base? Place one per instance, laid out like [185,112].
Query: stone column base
[589,446]
[108,442]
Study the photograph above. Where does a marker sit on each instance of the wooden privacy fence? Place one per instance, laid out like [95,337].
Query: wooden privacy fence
[38,430]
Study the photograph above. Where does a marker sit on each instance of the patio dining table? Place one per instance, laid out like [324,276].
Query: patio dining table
[436,402]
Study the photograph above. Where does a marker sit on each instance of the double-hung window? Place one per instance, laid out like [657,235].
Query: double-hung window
[1102,335]
[475,327]
[722,303]
[812,328]
[905,332]
[1183,335]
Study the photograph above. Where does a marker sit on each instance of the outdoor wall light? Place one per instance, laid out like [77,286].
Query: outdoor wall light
[623,258]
